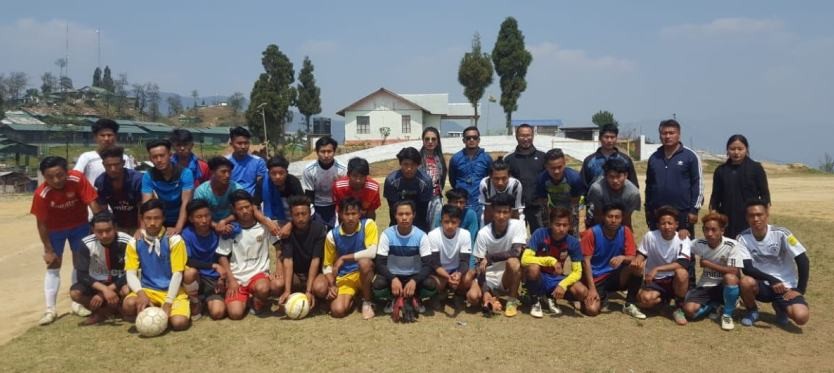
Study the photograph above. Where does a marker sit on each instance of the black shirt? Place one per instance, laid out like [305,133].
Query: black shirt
[526,167]
[302,247]
[734,185]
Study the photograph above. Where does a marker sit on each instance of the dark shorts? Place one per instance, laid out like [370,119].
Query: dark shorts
[326,215]
[88,290]
[207,289]
[704,295]
[610,282]
[299,282]
[663,286]
[767,295]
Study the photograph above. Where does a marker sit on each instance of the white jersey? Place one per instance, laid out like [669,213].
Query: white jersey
[487,243]
[774,254]
[90,164]
[450,248]
[248,252]
[728,254]
[321,181]
[487,190]
[659,252]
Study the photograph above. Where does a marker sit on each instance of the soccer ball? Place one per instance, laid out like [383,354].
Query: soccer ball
[151,322]
[297,306]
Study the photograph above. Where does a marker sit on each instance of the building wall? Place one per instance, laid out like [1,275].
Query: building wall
[386,111]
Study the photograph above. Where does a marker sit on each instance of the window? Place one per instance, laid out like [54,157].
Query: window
[363,124]
[406,123]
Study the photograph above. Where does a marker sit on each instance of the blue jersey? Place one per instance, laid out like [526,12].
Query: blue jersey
[247,171]
[404,252]
[221,206]
[349,244]
[544,245]
[559,194]
[201,248]
[601,249]
[169,191]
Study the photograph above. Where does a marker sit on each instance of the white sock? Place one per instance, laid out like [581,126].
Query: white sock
[192,288]
[51,284]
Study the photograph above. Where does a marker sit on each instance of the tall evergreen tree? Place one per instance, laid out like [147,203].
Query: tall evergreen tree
[603,117]
[475,74]
[236,101]
[50,83]
[153,97]
[273,89]
[107,80]
[97,77]
[511,60]
[309,95]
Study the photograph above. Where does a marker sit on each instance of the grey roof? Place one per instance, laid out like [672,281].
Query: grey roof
[20,117]
[212,131]
[538,122]
[461,109]
[47,127]
[434,103]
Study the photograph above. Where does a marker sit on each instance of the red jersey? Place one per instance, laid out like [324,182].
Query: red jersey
[64,208]
[368,195]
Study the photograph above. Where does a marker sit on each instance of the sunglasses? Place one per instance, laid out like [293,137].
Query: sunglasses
[430,139]
[468,138]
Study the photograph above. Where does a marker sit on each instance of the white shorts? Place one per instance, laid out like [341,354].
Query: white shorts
[494,277]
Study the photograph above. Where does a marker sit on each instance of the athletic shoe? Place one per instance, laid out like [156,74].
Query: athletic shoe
[750,318]
[718,313]
[80,310]
[196,309]
[553,307]
[727,322]
[632,310]
[367,310]
[48,317]
[679,316]
[512,308]
[536,310]
[258,307]
[389,307]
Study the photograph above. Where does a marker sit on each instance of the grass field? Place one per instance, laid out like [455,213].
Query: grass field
[469,342]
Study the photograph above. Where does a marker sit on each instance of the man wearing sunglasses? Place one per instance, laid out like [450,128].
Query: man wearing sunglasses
[468,166]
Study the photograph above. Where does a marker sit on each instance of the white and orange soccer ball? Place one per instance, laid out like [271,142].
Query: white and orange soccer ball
[151,322]
[297,306]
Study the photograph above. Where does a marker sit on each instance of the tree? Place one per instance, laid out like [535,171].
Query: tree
[236,101]
[475,74]
[66,83]
[385,132]
[603,117]
[511,60]
[97,77]
[49,83]
[174,105]
[120,94]
[273,89]
[153,98]
[15,84]
[827,164]
[141,98]
[309,96]
[195,95]
[107,81]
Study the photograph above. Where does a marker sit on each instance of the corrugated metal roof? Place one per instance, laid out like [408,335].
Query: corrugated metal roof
[154,127]
[435,103]
[47,127]
[461,110]
[538,122]
[21,117]
[212,131]
[131,129]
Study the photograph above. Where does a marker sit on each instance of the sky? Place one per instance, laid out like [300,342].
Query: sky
[764,69]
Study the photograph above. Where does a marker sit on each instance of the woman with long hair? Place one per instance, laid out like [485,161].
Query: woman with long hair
[735,182]
[434,165]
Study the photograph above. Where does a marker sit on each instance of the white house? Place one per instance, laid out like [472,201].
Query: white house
[404,116]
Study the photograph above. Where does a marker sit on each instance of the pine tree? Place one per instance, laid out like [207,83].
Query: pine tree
[511,61]
[309,95]
[475,74]
[273,89]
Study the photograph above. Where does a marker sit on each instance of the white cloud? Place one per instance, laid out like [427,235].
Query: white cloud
[548,53]
[725,27]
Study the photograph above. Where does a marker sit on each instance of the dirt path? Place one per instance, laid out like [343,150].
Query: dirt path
[22,268]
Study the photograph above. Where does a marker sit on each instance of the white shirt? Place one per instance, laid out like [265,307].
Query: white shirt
[450,248]
[90,164]
[774,254]
[321,181]
[487,243]
[659,252]
[487,190]
[728,253]
[248,251]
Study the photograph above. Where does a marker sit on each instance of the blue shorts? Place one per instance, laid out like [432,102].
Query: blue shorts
[547,283]
[74,235]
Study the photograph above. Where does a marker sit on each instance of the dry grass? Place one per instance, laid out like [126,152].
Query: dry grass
[469,342]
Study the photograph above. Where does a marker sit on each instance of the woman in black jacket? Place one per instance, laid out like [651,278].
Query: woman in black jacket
[735,182]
